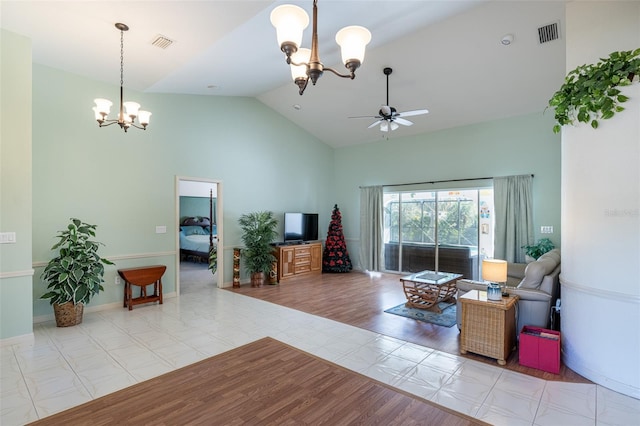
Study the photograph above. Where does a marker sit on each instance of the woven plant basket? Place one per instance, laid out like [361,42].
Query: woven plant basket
[68,314]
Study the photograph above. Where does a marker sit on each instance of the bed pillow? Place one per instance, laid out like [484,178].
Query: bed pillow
[193,230]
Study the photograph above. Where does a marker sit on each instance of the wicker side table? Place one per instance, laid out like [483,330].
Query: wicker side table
[488,327]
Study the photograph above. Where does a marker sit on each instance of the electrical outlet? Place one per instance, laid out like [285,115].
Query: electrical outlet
[118,280]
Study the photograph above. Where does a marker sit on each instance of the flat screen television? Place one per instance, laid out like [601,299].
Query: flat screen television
[300,227]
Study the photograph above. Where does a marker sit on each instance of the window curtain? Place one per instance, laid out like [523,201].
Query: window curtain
[371,246]
[513,203]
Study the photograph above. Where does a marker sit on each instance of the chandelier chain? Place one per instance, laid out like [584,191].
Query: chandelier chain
[121,57]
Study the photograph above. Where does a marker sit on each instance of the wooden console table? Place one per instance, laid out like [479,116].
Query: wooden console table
[142,277]
[488,327]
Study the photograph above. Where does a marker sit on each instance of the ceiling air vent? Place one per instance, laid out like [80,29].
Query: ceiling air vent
[548,33]
[162,42]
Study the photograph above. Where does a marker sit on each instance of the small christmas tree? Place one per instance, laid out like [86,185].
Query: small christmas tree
[335,257]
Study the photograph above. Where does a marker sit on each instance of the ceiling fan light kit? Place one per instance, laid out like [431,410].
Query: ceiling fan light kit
[129,111]
[290,21]
[388,117]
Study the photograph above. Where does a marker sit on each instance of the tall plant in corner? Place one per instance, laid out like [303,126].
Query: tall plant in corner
[590,92]
[76,274]
[258,231]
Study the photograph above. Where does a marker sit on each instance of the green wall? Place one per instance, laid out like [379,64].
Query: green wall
[125,182]
[196,206]
[15,185]
[513,146]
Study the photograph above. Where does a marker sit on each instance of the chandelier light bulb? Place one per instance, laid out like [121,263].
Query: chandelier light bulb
[353,41]
[143,117]
[302,57]
[289,21]
[103,106]
[131,109]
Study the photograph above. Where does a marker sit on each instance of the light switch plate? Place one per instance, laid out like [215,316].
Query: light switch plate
[161,229]
[546,229]
[7,237]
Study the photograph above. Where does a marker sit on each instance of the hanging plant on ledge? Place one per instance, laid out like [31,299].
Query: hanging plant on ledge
[590,92]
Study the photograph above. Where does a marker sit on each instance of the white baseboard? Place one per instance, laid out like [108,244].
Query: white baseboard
[98,308]
[601,379]
[17,340]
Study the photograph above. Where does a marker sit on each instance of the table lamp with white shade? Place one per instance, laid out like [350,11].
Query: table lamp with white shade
[494,271]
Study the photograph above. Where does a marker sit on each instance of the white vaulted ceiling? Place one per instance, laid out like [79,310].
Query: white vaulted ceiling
[446,56]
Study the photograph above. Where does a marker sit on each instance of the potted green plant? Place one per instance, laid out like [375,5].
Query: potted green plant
[536,250]
[76,274]
[258,231]
[590,92]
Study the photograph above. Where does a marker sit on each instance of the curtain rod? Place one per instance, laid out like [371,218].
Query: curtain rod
[441,181]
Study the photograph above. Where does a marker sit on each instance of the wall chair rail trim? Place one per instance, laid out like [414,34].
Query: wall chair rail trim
[42,264]
[604,294]
[17,274]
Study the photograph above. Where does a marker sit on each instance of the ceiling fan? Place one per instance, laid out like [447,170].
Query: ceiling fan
[388,117]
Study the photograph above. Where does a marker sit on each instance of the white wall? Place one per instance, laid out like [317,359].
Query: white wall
[192,188]
[601,213]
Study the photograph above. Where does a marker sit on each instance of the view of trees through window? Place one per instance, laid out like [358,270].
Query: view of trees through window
[413,218]
[457,214]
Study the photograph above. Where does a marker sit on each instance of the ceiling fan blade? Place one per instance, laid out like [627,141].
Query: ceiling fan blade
[414,112]
[374,124]
[366,116]
[402,121]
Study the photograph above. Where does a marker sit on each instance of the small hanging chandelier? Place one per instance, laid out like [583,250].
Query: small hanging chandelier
[128,110]
[291,20]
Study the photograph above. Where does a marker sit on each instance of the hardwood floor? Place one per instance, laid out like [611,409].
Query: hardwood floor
[359,299]
[263,383]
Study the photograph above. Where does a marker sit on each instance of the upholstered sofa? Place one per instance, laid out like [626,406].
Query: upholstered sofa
[536,284]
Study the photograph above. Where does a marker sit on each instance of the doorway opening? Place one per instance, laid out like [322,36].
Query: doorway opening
[199,224]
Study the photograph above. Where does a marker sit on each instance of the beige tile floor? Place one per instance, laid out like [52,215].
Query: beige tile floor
[113,349]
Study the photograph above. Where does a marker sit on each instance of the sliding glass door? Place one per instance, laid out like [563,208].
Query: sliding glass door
[444,230]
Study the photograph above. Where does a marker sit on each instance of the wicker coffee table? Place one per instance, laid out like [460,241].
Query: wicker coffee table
[424,290]
[488,327]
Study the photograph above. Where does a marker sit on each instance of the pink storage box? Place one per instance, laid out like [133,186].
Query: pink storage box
[540,348]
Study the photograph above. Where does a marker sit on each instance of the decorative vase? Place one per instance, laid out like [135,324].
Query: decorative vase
[236,267]
[273,273]
[494,292]
[257,279]
[68,314]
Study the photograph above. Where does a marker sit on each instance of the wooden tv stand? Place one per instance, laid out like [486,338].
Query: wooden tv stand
[298,259]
